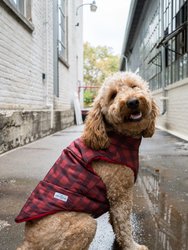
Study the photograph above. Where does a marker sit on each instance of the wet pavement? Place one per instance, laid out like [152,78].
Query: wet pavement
[160,213]
[164,175]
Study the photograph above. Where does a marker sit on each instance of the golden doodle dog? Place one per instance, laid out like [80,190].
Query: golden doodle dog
[95,174]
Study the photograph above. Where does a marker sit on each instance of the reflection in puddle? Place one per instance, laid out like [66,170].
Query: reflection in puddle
[169,212]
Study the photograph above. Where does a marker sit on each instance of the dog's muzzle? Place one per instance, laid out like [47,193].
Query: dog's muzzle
[133,105]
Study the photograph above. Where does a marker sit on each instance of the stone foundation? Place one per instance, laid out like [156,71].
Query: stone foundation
[21,127]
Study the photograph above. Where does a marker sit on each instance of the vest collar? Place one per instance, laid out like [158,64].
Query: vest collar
[124,140]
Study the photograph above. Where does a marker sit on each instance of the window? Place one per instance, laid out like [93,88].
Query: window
[176,44]
[173,15]
[181,38]
[23,7]
[62,30]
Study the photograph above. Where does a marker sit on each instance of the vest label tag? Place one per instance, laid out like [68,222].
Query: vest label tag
[61,197]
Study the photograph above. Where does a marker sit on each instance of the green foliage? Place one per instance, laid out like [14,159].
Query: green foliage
[99,63]
[88,97]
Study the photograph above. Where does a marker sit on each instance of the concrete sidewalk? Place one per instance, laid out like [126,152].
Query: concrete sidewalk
[161,200]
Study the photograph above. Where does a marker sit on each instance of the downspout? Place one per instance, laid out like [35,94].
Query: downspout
[126,65]
[55,57]
[49,105]
[163,68]
[124,59]
[55,49]
[45,53]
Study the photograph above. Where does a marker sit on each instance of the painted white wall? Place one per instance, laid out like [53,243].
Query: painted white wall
[69,77]
[23,59]
[26,55]
[175,120]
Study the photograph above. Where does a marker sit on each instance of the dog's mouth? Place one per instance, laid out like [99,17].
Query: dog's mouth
[134,117]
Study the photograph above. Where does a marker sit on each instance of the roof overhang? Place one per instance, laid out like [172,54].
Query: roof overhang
[135,13]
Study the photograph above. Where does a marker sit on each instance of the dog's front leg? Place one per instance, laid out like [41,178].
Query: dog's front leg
[120,212]
[119,181]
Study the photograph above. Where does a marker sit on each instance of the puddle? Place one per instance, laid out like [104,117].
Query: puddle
[169,209]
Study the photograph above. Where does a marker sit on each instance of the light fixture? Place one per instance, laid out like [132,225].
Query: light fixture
[93,6]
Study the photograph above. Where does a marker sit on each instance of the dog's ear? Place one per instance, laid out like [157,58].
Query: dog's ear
[151,126]
[94,134]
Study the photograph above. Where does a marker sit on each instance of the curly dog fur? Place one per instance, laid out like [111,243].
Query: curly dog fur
[124,105]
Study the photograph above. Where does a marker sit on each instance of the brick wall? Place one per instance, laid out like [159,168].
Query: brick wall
[175,119]
[28,107]
[69,77]
[23,60]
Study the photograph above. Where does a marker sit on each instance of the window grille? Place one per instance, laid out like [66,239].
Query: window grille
[175,42]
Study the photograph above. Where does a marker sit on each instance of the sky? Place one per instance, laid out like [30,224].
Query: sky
[106,26]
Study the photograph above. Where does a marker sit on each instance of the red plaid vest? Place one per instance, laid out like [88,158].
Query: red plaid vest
[72,184]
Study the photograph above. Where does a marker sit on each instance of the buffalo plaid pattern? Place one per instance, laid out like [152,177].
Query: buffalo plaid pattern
[72,185]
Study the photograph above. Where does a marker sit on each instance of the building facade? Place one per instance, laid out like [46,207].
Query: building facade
[156,47]
[41,58]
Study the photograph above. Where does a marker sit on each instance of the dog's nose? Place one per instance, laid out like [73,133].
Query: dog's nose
[133,103]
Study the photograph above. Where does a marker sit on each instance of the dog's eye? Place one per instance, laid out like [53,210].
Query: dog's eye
[113,95]
[134,86]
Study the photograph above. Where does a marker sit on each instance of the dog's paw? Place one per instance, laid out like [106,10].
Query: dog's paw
[141,247]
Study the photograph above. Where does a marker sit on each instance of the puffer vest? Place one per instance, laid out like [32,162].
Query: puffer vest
[72,184]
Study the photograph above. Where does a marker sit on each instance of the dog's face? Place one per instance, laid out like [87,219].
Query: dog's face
[126,104]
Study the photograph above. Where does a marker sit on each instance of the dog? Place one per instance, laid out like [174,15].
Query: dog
[123,112]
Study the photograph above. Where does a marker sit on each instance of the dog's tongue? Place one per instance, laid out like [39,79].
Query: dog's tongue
[136,116]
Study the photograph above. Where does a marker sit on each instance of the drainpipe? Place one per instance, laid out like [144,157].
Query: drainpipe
[49,105]
[126,64]
[164,98]
[55,47]
[45,52]
[125,60]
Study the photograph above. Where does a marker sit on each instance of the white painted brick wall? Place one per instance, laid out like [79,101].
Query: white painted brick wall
[28,107]
[22,59]
[175,119]
[69,77]
[25,55]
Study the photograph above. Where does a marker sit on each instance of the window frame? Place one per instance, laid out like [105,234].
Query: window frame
[175,43]
[63,31]
[27,8]
[19,5]
[181,38]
